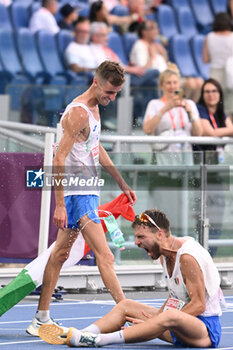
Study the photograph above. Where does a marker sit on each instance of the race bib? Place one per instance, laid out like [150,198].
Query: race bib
[95,155]
[174,303]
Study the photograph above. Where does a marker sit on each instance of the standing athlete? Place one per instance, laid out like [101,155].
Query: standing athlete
[190,315]
[76,208]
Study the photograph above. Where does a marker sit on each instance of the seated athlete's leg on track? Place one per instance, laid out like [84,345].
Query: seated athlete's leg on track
[94,235]
[116,318]
[59,255]
[188,329]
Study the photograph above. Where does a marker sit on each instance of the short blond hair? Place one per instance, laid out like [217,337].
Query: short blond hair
[172,69]
[112,72]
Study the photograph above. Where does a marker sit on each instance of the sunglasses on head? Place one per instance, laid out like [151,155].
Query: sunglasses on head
[143,217]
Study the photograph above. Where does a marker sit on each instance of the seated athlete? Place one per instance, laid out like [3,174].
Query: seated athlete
[190,315]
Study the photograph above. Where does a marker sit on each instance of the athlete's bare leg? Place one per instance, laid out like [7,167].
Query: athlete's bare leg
[94,235]
[59,255]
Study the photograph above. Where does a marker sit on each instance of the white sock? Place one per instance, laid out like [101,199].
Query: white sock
[43,315]
[93,328]
[111,338]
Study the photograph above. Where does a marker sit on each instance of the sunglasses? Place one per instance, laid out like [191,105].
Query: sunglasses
[143,217]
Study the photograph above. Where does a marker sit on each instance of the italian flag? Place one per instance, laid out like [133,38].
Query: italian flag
[31,276]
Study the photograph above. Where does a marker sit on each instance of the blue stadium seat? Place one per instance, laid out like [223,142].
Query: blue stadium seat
[35,5]
[167,21]
[29,56]
[186,22]
[218,5]
[180,53]
[4,17]
[196,44]
[116,44]
[4,79]
[84,9]
[49,56]
[176,4]
[8,53]
[63,38]
[120,10]
[203,15]
[19,14]
[128,41]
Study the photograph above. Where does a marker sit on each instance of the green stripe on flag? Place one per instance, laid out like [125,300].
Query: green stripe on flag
[15,291]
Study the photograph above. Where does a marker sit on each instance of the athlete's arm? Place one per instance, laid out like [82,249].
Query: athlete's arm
[106,162]
[194,281]
[73,123]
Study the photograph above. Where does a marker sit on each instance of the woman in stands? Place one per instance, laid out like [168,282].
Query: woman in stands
[100,13]
[171,115]
[211,109]
[218,46]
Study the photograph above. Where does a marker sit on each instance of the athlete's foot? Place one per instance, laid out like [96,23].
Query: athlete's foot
[54,334]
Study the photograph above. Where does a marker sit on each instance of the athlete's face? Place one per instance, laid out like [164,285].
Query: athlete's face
[146,239]
[106,92]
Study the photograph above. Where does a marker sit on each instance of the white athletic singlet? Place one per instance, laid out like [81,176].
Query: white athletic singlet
[175,283]
[83,159]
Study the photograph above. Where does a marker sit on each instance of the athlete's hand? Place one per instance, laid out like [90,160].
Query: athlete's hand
[130,194]
[60,217]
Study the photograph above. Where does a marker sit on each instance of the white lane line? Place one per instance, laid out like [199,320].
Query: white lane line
[21,342]
[60,319]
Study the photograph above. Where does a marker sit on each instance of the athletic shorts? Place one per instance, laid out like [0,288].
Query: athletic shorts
[79,205]
[213,326]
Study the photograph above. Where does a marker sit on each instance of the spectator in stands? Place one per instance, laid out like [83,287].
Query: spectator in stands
[69,17]
[101,52]
[110,4]
[146,52]
[171,115]
[5,2]
[211,110]
[137,7]
[218,46]
[100,13]
[214,123]
[44,17]
[230,10]
[78,55]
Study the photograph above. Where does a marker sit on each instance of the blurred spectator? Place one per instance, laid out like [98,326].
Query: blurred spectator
[110,4]
[44,17]
[101,52]
[214,123]
[218,46]
[230,9]
[69,17]
[145,52]
[136,7]
[211,109]
[171,115]
[5,2]
[78,55]
[100,13]
[148,53]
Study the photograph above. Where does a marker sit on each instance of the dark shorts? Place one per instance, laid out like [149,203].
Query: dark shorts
[77,206]
[213,326]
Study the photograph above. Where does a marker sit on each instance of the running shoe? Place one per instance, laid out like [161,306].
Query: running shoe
[35,325]
[54,334]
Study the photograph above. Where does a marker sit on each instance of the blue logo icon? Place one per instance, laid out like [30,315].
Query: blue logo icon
[35,178]
[94,129]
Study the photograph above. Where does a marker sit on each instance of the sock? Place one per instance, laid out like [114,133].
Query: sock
[43,315]
[111,338]
[93,328]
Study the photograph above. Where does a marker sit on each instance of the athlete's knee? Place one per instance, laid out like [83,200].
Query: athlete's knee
[106,258]
[58,257]
[171,317]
